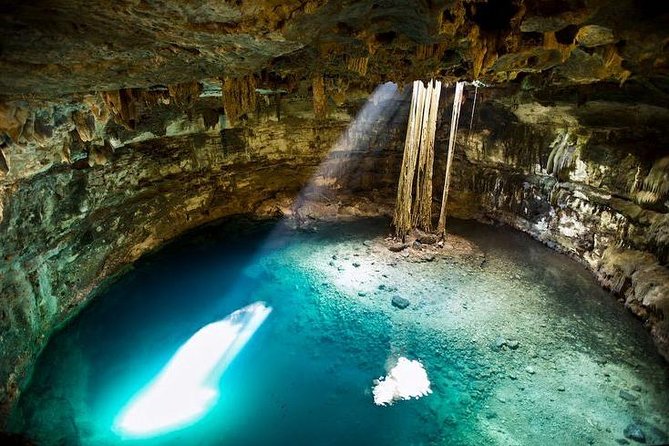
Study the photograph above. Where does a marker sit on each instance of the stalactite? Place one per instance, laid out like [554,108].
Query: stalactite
[358,65]
[561,155]
[319,97]
[637,181]
[427,51]
[424,51]
[423,206]
[655,186]
[455,117]
[186,93]
[4,167]
[123,105]
[239,97]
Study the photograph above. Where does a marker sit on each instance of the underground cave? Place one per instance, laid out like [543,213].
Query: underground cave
[320,222]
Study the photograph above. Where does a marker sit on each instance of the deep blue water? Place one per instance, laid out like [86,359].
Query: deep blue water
[305,378]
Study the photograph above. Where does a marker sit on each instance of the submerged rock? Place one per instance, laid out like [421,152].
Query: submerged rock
[634,432]
[499,343]
[627,396]
[400,302]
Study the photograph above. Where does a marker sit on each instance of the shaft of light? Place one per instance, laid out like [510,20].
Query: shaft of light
[187,387]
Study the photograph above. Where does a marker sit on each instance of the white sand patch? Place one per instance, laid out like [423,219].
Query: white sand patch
[408,379]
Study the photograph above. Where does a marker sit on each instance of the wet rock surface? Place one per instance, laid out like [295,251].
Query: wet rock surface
[66,230]
[400,302]
[634,432]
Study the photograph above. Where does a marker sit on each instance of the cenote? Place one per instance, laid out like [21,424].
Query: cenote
[329,222]
[520,344]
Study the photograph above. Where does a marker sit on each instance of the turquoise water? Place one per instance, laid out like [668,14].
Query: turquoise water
[305,377]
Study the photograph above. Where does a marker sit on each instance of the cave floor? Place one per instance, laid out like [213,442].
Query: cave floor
[521,345]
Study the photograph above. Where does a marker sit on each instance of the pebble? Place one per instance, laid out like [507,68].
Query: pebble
[624,394]
[356,264]
[513,345]
[499,343]
[530,370]
[561,389]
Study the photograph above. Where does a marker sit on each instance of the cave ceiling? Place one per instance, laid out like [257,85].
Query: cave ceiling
[53,48]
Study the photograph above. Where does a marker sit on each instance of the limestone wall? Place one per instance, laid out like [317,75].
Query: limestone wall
[85,190]
[70,222]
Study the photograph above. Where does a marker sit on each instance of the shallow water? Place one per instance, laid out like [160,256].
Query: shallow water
[307,374]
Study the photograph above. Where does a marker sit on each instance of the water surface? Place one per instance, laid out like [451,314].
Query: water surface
[521,345]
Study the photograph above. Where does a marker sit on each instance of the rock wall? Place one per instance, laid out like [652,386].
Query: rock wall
[590,180]
[88,186]
[70,222]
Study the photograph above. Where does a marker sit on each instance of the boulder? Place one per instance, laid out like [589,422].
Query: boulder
[400,302]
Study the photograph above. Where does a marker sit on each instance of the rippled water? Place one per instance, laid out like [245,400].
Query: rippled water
[522,348]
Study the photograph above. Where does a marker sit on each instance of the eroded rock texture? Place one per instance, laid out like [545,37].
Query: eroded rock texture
[125,123]
[590,180]
[84,211]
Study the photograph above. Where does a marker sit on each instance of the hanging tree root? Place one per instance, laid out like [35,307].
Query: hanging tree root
[455,118]
[402,220]
[418,160]
[422,217]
